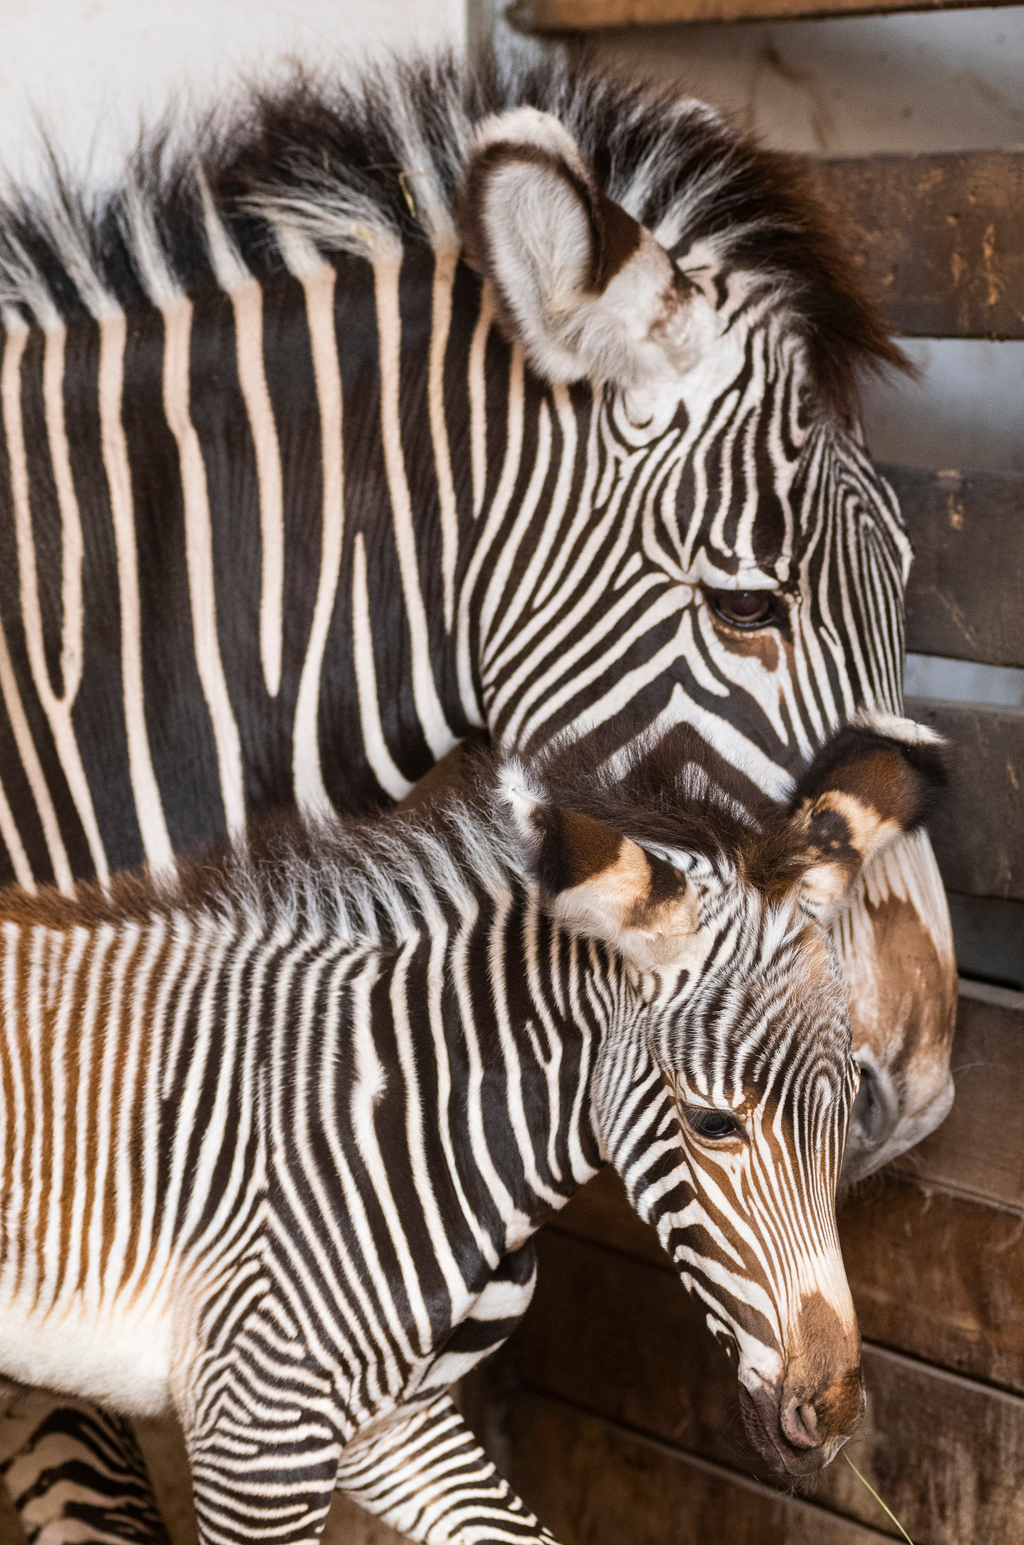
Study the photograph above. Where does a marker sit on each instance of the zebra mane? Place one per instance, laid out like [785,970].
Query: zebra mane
[371,881]
[374,880]
[317,165]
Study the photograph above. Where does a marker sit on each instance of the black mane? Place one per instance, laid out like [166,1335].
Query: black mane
[315,149]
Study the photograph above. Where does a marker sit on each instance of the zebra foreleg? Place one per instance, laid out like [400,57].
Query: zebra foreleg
[273,1488]
[423,1472]
[76,1474]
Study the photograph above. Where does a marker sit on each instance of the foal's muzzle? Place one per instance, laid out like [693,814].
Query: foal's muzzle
[799,1426]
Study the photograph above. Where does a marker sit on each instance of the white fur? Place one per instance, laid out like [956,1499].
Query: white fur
[521,796]
[635,333]
[124,1360]
[908,730]
[529,126]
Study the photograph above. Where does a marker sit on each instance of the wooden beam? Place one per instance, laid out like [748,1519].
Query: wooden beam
[979,831]
[618,1338]
[590,15]
[989,938]
[593,1483]
[966,587]
[939,237]
[939,1275]
[979,1148]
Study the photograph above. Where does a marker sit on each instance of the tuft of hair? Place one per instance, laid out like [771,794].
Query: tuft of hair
[318,165]
[867,745]
[521,794]
[895,727]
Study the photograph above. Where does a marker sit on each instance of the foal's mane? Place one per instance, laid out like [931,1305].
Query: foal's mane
[371,880]
[374,163]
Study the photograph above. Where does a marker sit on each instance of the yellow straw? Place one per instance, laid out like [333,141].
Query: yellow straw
[878,1499]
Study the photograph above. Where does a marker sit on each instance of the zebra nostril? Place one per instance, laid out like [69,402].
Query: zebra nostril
[872,1118]
[800,1424]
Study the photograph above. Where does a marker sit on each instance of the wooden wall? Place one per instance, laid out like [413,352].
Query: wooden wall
[613,1411]
[558,16]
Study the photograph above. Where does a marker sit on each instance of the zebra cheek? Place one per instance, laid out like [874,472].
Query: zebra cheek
[905,973]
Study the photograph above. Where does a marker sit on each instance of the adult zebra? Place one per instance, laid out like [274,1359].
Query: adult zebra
[292,500]
[253,1164]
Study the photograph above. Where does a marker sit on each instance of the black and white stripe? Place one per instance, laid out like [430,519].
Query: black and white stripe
[284,512]
[278,1134]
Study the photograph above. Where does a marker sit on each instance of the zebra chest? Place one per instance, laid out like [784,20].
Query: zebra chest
[119,1354]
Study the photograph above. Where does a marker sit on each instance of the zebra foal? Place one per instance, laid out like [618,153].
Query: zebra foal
[276,1134]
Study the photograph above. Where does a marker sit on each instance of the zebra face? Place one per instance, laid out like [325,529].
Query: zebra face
[759,1085]
[725,1085]
[752,562]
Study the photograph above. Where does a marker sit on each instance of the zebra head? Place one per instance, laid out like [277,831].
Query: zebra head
[750,562]
[723,1094]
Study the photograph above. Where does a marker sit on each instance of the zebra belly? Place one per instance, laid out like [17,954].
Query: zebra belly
[121,1359]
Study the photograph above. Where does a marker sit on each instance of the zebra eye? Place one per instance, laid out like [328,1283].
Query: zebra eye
[714,1125]
[744,608]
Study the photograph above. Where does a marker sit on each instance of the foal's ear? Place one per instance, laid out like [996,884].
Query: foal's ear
[872,781]
[602,885]
[582,285]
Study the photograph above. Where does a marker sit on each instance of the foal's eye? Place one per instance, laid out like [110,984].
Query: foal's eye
[745,608]
[712,1124]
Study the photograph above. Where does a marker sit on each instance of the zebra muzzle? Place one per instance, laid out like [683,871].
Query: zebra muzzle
[800,1429]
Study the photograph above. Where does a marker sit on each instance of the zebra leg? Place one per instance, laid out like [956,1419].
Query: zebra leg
[253,1480]
[422,1471]
[262,1429]
[76,1475]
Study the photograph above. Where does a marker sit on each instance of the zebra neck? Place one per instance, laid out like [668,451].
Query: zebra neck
[462,1058]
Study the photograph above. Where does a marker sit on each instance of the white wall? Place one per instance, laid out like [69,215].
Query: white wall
[88,67]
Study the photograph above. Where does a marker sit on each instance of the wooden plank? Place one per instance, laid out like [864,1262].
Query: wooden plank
[589,15]
[979,1148]
[601,1213]
[938,1275]
[989,938]
[592,1483]
[978,833]
[965,598]
[939,237]
[620,1339]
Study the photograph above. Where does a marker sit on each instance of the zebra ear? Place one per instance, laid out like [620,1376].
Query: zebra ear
[580,283]
[602,885]
[874,780]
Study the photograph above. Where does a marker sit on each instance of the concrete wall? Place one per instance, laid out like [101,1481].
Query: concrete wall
[946,81]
